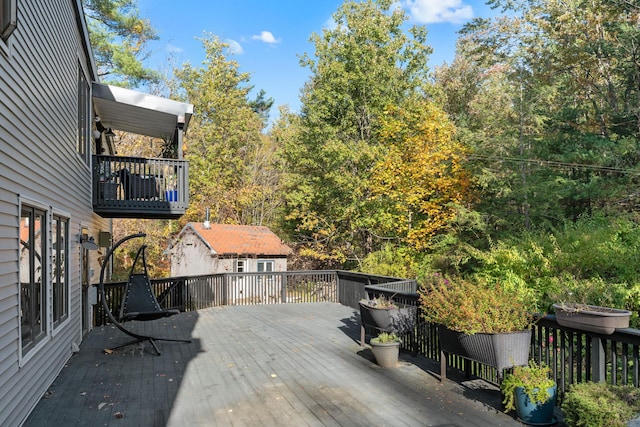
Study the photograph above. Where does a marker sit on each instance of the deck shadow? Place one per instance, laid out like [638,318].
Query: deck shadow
[131,384]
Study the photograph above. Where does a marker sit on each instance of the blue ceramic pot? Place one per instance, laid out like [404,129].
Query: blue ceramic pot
[539,414]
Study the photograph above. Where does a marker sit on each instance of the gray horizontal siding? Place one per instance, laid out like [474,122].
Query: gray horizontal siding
[38,160]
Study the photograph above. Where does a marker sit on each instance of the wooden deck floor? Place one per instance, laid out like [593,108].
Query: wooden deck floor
[268,365]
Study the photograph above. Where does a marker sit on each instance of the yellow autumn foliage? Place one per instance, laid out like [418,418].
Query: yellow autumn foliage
[422,178]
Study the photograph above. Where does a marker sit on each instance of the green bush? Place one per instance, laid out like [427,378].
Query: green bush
[596,259]
[392,261]
[600,405]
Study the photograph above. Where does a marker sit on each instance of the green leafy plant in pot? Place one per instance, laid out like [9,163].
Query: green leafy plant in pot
[531,392]
[386,349]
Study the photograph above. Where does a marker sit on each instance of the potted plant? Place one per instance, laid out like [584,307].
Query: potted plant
[171,191]
[386,348]
[589,305]
[489,323]
[600,404]
[385,315]
[531,392]
[592,318]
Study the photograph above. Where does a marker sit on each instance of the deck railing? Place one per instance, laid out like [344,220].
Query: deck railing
[132,187]
[573,355]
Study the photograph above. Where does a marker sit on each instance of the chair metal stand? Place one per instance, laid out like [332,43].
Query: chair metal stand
[138,302]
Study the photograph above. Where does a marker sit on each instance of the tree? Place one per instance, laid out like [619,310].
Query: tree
[232,170]
[362,65]
[547,99]
[118,36]
[420,181]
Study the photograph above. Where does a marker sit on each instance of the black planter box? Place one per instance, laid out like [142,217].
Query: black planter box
[501,351]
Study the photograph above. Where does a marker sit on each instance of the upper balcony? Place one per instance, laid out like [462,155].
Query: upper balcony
[134,187]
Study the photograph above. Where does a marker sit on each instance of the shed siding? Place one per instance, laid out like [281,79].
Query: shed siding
[191,256]
[38,126]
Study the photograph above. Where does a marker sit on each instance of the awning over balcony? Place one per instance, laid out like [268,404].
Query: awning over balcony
[140,113]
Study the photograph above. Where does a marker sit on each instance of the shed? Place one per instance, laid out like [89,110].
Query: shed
[202,248]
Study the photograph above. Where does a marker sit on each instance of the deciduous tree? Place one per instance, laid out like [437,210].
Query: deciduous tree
[232,171]
[362,64]
[421,180]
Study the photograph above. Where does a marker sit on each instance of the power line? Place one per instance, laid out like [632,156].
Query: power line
[553,163]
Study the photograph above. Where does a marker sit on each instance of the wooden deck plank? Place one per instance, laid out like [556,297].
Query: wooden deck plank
[266,365]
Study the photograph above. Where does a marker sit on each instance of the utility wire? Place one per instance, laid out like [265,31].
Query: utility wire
[554,163]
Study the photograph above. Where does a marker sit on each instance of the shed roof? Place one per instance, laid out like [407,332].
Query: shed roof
[231,239]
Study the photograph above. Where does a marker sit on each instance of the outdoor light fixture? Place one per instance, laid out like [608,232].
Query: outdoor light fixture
[88,243]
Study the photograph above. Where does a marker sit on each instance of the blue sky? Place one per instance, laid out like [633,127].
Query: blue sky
[271,35]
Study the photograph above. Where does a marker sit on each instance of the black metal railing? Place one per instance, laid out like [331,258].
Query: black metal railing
[134,187]
[573,355]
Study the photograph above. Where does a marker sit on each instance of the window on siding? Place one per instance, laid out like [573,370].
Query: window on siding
[239,266]
[84,110]
[32,276]
[8,15]
[265,265]
[60,236]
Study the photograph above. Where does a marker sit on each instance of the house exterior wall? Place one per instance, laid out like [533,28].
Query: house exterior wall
[39,165]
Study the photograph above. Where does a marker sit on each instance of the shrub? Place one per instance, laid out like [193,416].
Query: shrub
[469,307]
[600,405]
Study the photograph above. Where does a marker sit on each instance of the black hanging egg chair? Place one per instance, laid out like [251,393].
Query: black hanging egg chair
[138,300]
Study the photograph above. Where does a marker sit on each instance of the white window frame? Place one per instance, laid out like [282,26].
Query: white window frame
[265,262]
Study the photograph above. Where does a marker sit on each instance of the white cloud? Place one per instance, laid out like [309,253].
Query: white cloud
[234,47]
[267,37]
[173,48]
[433,11]
[330,24]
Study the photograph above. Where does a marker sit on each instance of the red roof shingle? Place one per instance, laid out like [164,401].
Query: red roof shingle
[231,239]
